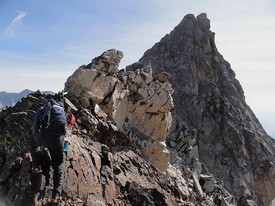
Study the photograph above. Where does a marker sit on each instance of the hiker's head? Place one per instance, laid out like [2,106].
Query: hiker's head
[59,96]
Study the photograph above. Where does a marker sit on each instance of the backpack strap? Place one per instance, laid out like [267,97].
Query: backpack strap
[47,113]
[38,120]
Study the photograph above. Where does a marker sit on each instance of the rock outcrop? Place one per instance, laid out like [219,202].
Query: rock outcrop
[211,120]
[134,101]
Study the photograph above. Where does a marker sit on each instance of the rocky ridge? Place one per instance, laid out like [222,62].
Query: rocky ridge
[134,144]
[10,99]
[107,164]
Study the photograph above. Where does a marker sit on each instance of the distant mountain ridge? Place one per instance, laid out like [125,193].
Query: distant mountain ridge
[10,98]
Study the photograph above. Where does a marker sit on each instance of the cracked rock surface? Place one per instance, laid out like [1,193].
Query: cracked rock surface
[211,119]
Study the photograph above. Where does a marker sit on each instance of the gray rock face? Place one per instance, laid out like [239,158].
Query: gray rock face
[210,112]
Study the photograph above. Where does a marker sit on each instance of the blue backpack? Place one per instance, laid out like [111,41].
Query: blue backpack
[54,114]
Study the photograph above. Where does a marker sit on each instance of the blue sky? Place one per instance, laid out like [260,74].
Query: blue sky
[42,42]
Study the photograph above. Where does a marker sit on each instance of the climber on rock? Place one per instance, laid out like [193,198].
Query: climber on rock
[49,131]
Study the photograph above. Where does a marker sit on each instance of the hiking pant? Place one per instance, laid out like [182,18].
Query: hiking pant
[54,142]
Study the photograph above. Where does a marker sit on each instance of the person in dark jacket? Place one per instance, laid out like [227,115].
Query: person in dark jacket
[52,138]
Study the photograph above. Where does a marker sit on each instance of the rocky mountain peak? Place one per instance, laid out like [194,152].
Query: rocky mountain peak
[211,118]
[172,129]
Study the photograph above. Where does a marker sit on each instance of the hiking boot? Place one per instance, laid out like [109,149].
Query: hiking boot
[56,198]
[35,180]
[37,199]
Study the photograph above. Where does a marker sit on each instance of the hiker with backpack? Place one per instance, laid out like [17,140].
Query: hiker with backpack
[49,132]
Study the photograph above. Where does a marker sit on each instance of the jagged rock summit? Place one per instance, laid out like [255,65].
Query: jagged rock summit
[211,116]
[173,129]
